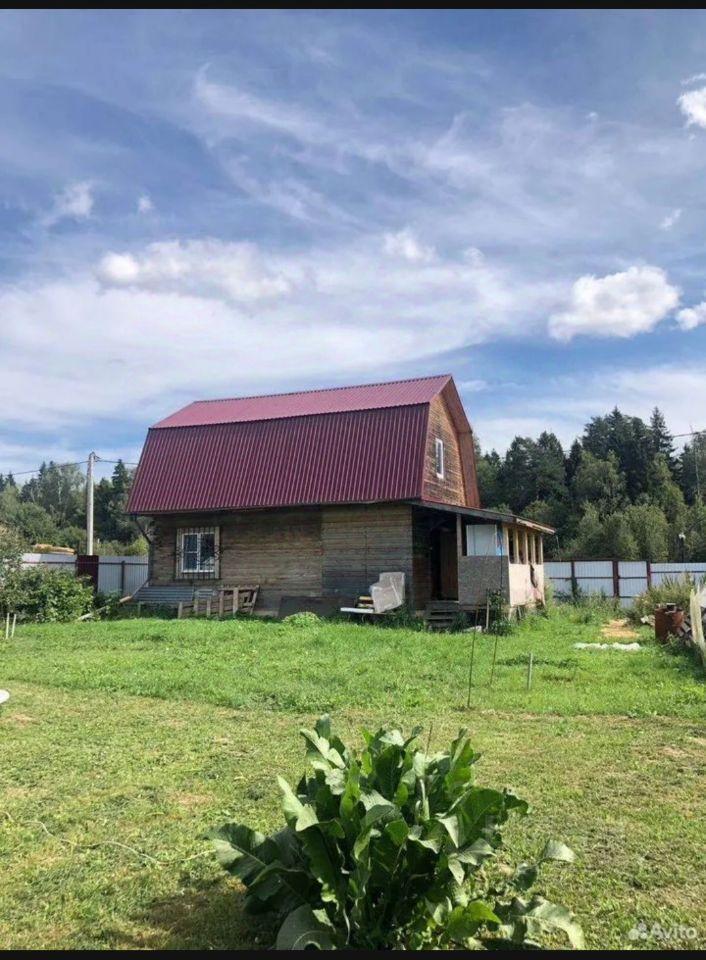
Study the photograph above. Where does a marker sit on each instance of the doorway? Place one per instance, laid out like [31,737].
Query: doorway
[444,562]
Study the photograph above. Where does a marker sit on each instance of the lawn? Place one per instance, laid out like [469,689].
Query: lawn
[123,742]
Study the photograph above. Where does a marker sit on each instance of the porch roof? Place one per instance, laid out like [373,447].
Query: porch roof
[478,513]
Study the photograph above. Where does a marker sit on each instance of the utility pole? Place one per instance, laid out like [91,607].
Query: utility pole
[89,503]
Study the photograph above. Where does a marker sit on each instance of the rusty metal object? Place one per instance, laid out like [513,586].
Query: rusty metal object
[668,618]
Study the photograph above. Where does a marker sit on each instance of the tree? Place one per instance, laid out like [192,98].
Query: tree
[599,481]
[650,530]
[692,469]
[488,472]
[662,440]
[59,490]
[110,501]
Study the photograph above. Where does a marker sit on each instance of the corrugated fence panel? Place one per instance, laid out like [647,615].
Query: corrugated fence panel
[632,586]
[594,568]
[135,576]
[596,576]
[121,575]
[596,585]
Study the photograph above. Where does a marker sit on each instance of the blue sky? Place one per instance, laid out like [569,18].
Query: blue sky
[201,204]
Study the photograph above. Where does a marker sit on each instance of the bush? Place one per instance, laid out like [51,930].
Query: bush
[43,595]
[392,848]
[671,590]
[306,618]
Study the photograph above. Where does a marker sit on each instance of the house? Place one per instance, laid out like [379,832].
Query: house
[313,495]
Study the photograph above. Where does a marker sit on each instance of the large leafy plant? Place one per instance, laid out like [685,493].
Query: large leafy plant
[390,848]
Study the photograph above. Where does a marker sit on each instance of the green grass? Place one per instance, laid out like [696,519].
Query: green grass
[145,733]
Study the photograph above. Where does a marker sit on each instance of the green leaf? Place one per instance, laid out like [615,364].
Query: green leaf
[464,922]
[555,850]
[239,850]
[303,930]
[451,826]
[475,853]
[323,726]
[552,917]
[298,815]
[398,831]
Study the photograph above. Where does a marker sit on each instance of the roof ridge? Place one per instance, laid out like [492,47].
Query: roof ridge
[299,393]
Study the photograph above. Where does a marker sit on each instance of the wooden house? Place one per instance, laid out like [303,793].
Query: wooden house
[313,495]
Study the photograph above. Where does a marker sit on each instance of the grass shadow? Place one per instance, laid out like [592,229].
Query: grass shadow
[208,916]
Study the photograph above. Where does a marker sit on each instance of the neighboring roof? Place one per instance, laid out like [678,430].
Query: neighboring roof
[372,396]
[479,513]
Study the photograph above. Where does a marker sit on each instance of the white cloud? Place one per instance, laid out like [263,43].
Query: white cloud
[670,219]
[406,245]
[691,317]
[75,202]
[208,267]
[693,105]
[144,204]
[697,77]
[618,305]
[172,321]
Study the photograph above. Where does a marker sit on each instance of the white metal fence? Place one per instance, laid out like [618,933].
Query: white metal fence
[123,575]
[616,578]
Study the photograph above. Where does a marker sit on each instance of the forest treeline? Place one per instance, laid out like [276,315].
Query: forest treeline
[51,509]
[621,491]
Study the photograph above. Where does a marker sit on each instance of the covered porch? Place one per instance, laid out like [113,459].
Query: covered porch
[460,554]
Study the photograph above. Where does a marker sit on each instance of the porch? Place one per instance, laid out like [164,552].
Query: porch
[462,553]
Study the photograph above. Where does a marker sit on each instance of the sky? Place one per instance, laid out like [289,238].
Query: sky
[212,203]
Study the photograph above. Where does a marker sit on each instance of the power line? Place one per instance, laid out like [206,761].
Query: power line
[75,463]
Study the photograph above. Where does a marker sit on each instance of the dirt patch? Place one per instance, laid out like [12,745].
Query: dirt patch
[21,719]
[619,630]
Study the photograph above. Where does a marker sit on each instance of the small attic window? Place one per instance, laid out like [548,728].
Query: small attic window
[439,458]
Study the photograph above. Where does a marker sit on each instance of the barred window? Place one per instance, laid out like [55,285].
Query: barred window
[197,552]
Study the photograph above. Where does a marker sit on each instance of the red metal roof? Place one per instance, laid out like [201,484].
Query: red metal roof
[373,396]
[344,457]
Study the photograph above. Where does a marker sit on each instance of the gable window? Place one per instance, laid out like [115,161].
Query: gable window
[197,552]
[439,458]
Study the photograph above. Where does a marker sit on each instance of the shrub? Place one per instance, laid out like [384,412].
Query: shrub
[670,590]
[306,618]
[43,595]
[392,848]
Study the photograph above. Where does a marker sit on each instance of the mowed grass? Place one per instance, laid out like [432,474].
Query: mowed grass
[123,742]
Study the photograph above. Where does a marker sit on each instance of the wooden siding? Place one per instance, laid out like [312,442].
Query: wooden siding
[451,489]
[278,549]
[304,552]
[361,542]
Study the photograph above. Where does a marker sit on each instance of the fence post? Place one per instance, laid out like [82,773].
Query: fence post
[649,573]
[574,581]
[616,579]
[122,578]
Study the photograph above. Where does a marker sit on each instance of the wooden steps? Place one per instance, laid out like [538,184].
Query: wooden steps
[441,614]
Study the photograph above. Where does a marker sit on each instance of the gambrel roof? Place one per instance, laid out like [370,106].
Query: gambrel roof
[342,445]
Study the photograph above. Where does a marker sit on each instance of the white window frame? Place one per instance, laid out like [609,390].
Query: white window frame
[439,458]
[199,569]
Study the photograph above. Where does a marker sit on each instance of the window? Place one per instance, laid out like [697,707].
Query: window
[197,552]
[439,458]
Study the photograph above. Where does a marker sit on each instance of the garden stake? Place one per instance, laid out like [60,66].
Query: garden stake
[7,626]
[470,669]
[529,671]
[14,624]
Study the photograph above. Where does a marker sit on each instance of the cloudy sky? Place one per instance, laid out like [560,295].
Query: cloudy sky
[215,204]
